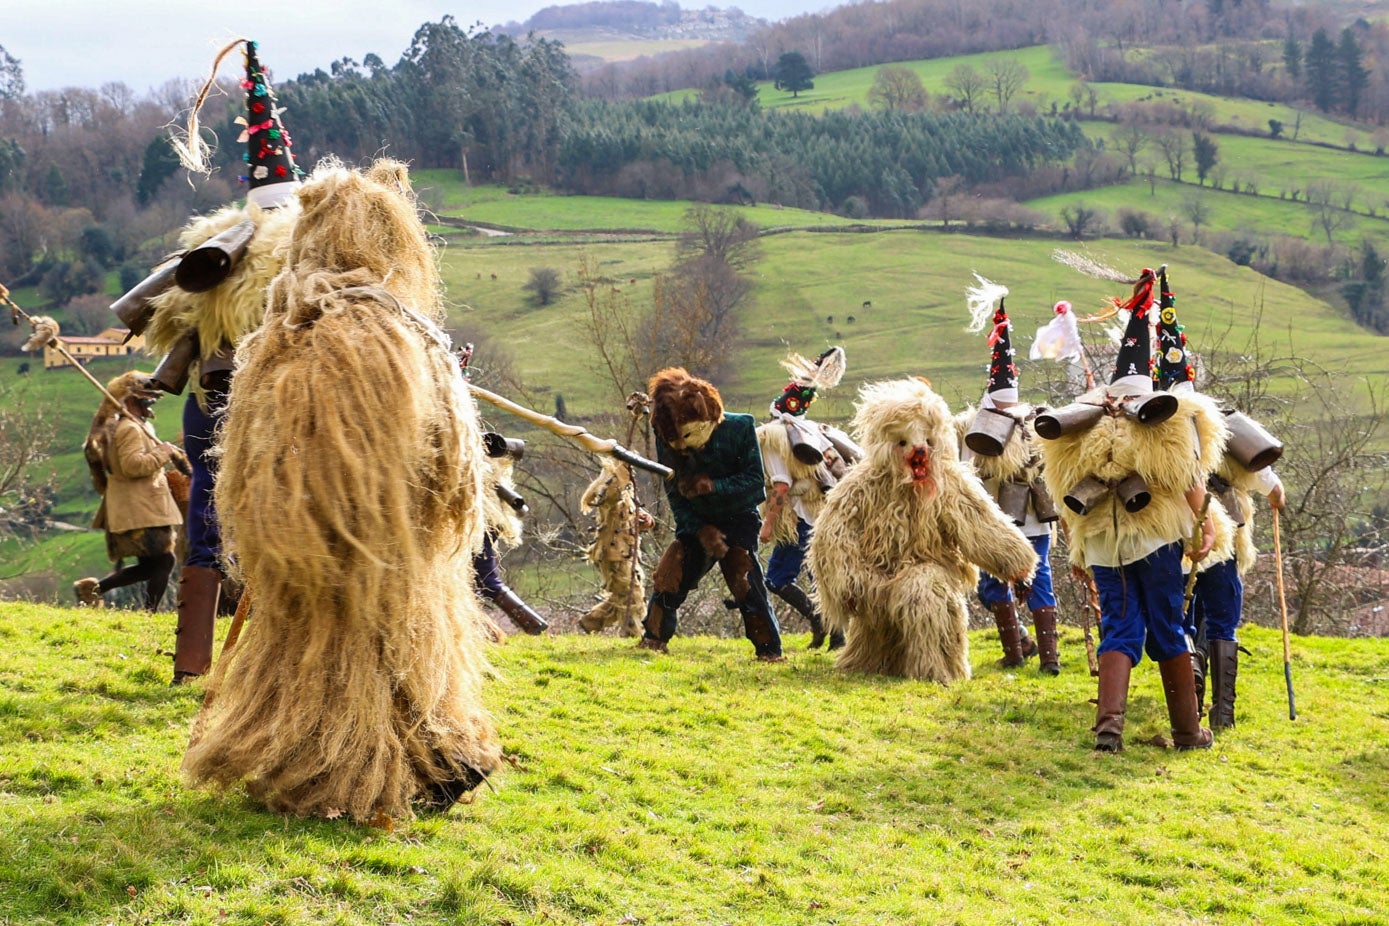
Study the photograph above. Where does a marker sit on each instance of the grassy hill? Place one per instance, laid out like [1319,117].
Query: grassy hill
[705,788]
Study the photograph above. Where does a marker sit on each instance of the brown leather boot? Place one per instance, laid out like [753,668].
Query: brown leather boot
[1179,685]
[1199,660]
[1113,701]
[198,590]
[1009,634]
[1224,668]
[1044,619]
[521,614]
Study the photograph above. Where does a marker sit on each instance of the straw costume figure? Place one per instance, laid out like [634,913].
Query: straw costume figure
[896,546]
[616,550]
[1131,467]
[1003,450]
[138,512]
[801,465]
[351,497]
[198,329]
[1245,470]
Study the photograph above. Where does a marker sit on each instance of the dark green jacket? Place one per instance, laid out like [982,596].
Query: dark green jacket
[732,459]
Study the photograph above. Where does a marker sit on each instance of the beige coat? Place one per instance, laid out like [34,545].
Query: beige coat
[137,492]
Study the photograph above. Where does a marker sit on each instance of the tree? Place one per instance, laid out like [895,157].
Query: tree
[966,84]
[897,89]
[1292,56]
[160,163]
[1321,70]
[1327,215]
[1205,152]
[717,234]
[1197,212]
[1006,76]
[741,84]
[1173,148]
[11,76]
[1081,220]
[1352,75]
[1132,138]
[1275,128]
[1364,293]
[793,73]
[543,284]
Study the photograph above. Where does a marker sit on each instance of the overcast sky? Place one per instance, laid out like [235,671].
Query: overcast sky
[144,43]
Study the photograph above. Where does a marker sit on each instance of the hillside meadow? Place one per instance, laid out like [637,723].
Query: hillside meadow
[703,787]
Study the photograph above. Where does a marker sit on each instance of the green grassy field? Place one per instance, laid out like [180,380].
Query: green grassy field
[705,788]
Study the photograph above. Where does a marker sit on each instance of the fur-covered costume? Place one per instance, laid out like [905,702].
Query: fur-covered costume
[1130,534]
[897,544]
[714,494]
[138,512]
[351,497]
[616,550]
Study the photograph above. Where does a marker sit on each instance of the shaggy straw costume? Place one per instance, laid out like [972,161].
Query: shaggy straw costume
[1134,550]
[351,498]
[897,543]
[612,499]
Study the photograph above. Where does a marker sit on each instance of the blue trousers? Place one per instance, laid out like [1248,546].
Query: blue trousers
[199,428]
[1141,606]
[784,565]
[487,572]
[992,591]
[1217,601]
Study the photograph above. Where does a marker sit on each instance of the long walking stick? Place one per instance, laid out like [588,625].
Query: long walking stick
[1089,615]
[588,441]
[1283,606]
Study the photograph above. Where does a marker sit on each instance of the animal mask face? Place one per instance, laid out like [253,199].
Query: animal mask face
[685,410]
[906,429]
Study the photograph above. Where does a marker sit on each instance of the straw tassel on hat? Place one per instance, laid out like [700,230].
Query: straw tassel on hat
[807,378]
[1133,366]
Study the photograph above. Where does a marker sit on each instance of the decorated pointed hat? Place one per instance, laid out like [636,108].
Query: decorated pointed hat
[1133,366]
[271,174]
[807,378]
[1174,370]
[985,303]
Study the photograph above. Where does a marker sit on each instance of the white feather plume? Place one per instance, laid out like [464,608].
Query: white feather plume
[981,300]
[824,373]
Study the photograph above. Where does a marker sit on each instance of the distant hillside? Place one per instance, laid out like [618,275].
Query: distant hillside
[606,20]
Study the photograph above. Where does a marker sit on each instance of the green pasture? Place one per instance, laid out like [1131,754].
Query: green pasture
[547,211]
[625,49]
[702,787]
[915,281]
[1261,216]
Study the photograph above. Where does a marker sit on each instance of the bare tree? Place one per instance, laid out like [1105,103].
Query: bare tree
[1327,214]
[1006,76]
[25,436]
[1132,138]
[1197,212]
[1173,147]
[896,88]
[1081,220]
[719,234]
[966,84]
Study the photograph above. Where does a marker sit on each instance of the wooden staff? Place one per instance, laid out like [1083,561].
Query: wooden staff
[1197,536]
[180,460]
[1090,607]
[1283,606]
[586,440]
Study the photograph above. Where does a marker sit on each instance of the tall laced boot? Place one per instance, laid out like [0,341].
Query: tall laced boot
[1113,701]
[1200,659]
[198,590]
[1010,635]
[1224,668]
[1179,685]
[795,596]
[1044,619]
[521,614]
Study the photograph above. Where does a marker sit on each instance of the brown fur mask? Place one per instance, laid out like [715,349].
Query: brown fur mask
[684,409]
